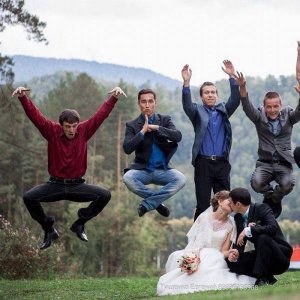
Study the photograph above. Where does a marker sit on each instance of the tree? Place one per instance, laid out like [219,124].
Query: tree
[12,13]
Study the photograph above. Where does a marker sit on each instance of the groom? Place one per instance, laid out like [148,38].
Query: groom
[256,223]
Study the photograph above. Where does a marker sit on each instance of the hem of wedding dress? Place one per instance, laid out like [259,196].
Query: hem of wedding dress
[195,289]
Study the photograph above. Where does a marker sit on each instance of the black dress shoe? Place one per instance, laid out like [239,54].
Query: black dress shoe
[261,282]
[48,238]
[49,222]
[163,210]
[79,230]
[142,210]
[276,207]
[271,279]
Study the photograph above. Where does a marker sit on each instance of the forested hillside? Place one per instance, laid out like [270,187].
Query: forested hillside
[119,241]
[26,67]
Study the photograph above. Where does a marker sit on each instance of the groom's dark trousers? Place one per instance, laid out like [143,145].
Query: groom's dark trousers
[272,252]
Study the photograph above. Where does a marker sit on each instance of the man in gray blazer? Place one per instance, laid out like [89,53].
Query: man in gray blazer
[154,139]
[297,88]
[213,136]
[274,125]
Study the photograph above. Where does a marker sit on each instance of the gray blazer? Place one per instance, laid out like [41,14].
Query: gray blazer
[199,118]
[268,143]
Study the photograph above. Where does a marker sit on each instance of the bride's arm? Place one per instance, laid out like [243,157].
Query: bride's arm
[226,245]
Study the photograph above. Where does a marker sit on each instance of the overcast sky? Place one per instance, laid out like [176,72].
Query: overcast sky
[259,36]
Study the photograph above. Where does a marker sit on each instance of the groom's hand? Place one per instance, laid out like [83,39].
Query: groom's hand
[240,240]
[233,255]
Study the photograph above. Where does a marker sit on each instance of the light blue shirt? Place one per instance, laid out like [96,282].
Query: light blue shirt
[275,128]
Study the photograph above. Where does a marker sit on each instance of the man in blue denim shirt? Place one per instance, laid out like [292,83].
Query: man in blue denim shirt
[213,136]
[154,138]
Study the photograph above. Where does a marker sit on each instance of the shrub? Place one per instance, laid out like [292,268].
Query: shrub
[21,258]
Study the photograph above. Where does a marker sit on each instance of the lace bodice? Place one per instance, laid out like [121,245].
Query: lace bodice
[207,232]
[219,234]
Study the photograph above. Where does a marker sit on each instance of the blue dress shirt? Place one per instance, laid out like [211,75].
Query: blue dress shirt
[214,141]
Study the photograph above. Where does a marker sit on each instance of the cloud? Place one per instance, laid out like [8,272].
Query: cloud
[258,36]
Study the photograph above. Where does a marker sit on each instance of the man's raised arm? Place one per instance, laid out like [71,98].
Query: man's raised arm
[188,106]
[251,111]
[32,111]
[295,114]
[297,88]
[93,123]
[234,100]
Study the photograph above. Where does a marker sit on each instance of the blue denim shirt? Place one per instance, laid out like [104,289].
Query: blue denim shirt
[157,158]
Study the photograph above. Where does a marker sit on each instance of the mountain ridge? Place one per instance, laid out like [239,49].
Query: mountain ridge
[28,67]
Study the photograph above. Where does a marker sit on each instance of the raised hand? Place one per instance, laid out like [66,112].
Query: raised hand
[297,88]
[229,68]
[146,124]
[117,92]
[240,78]
[242,83]
[20,91]
[186,74]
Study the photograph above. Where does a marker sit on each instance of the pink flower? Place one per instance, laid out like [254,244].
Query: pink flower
[189,263]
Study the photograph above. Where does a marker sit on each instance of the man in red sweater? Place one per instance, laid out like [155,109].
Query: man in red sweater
[67,163]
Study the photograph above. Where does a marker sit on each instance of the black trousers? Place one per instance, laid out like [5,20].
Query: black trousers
[210,175]
[269,258]
[53,191]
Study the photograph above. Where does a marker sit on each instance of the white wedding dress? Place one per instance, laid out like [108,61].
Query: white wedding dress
[207,236]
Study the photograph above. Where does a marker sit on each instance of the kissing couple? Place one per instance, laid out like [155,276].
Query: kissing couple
[215,256]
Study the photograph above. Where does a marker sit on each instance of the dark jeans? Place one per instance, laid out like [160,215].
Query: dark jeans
[210,175]
[53,191]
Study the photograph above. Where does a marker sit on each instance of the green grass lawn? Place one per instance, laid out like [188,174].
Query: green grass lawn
[287,288]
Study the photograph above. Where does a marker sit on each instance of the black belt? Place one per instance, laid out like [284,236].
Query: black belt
[64,180]
[279,162]
[212,157]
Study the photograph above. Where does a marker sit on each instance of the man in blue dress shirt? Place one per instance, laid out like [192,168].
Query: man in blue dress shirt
[213,136]
[154,139]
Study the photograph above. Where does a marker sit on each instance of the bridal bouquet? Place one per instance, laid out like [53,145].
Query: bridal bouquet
[188,263]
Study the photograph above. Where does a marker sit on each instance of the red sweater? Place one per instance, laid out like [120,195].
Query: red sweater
[67,158]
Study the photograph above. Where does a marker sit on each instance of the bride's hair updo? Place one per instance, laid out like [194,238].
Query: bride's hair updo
[222,195]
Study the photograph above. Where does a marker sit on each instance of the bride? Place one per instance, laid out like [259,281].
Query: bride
[211,237]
